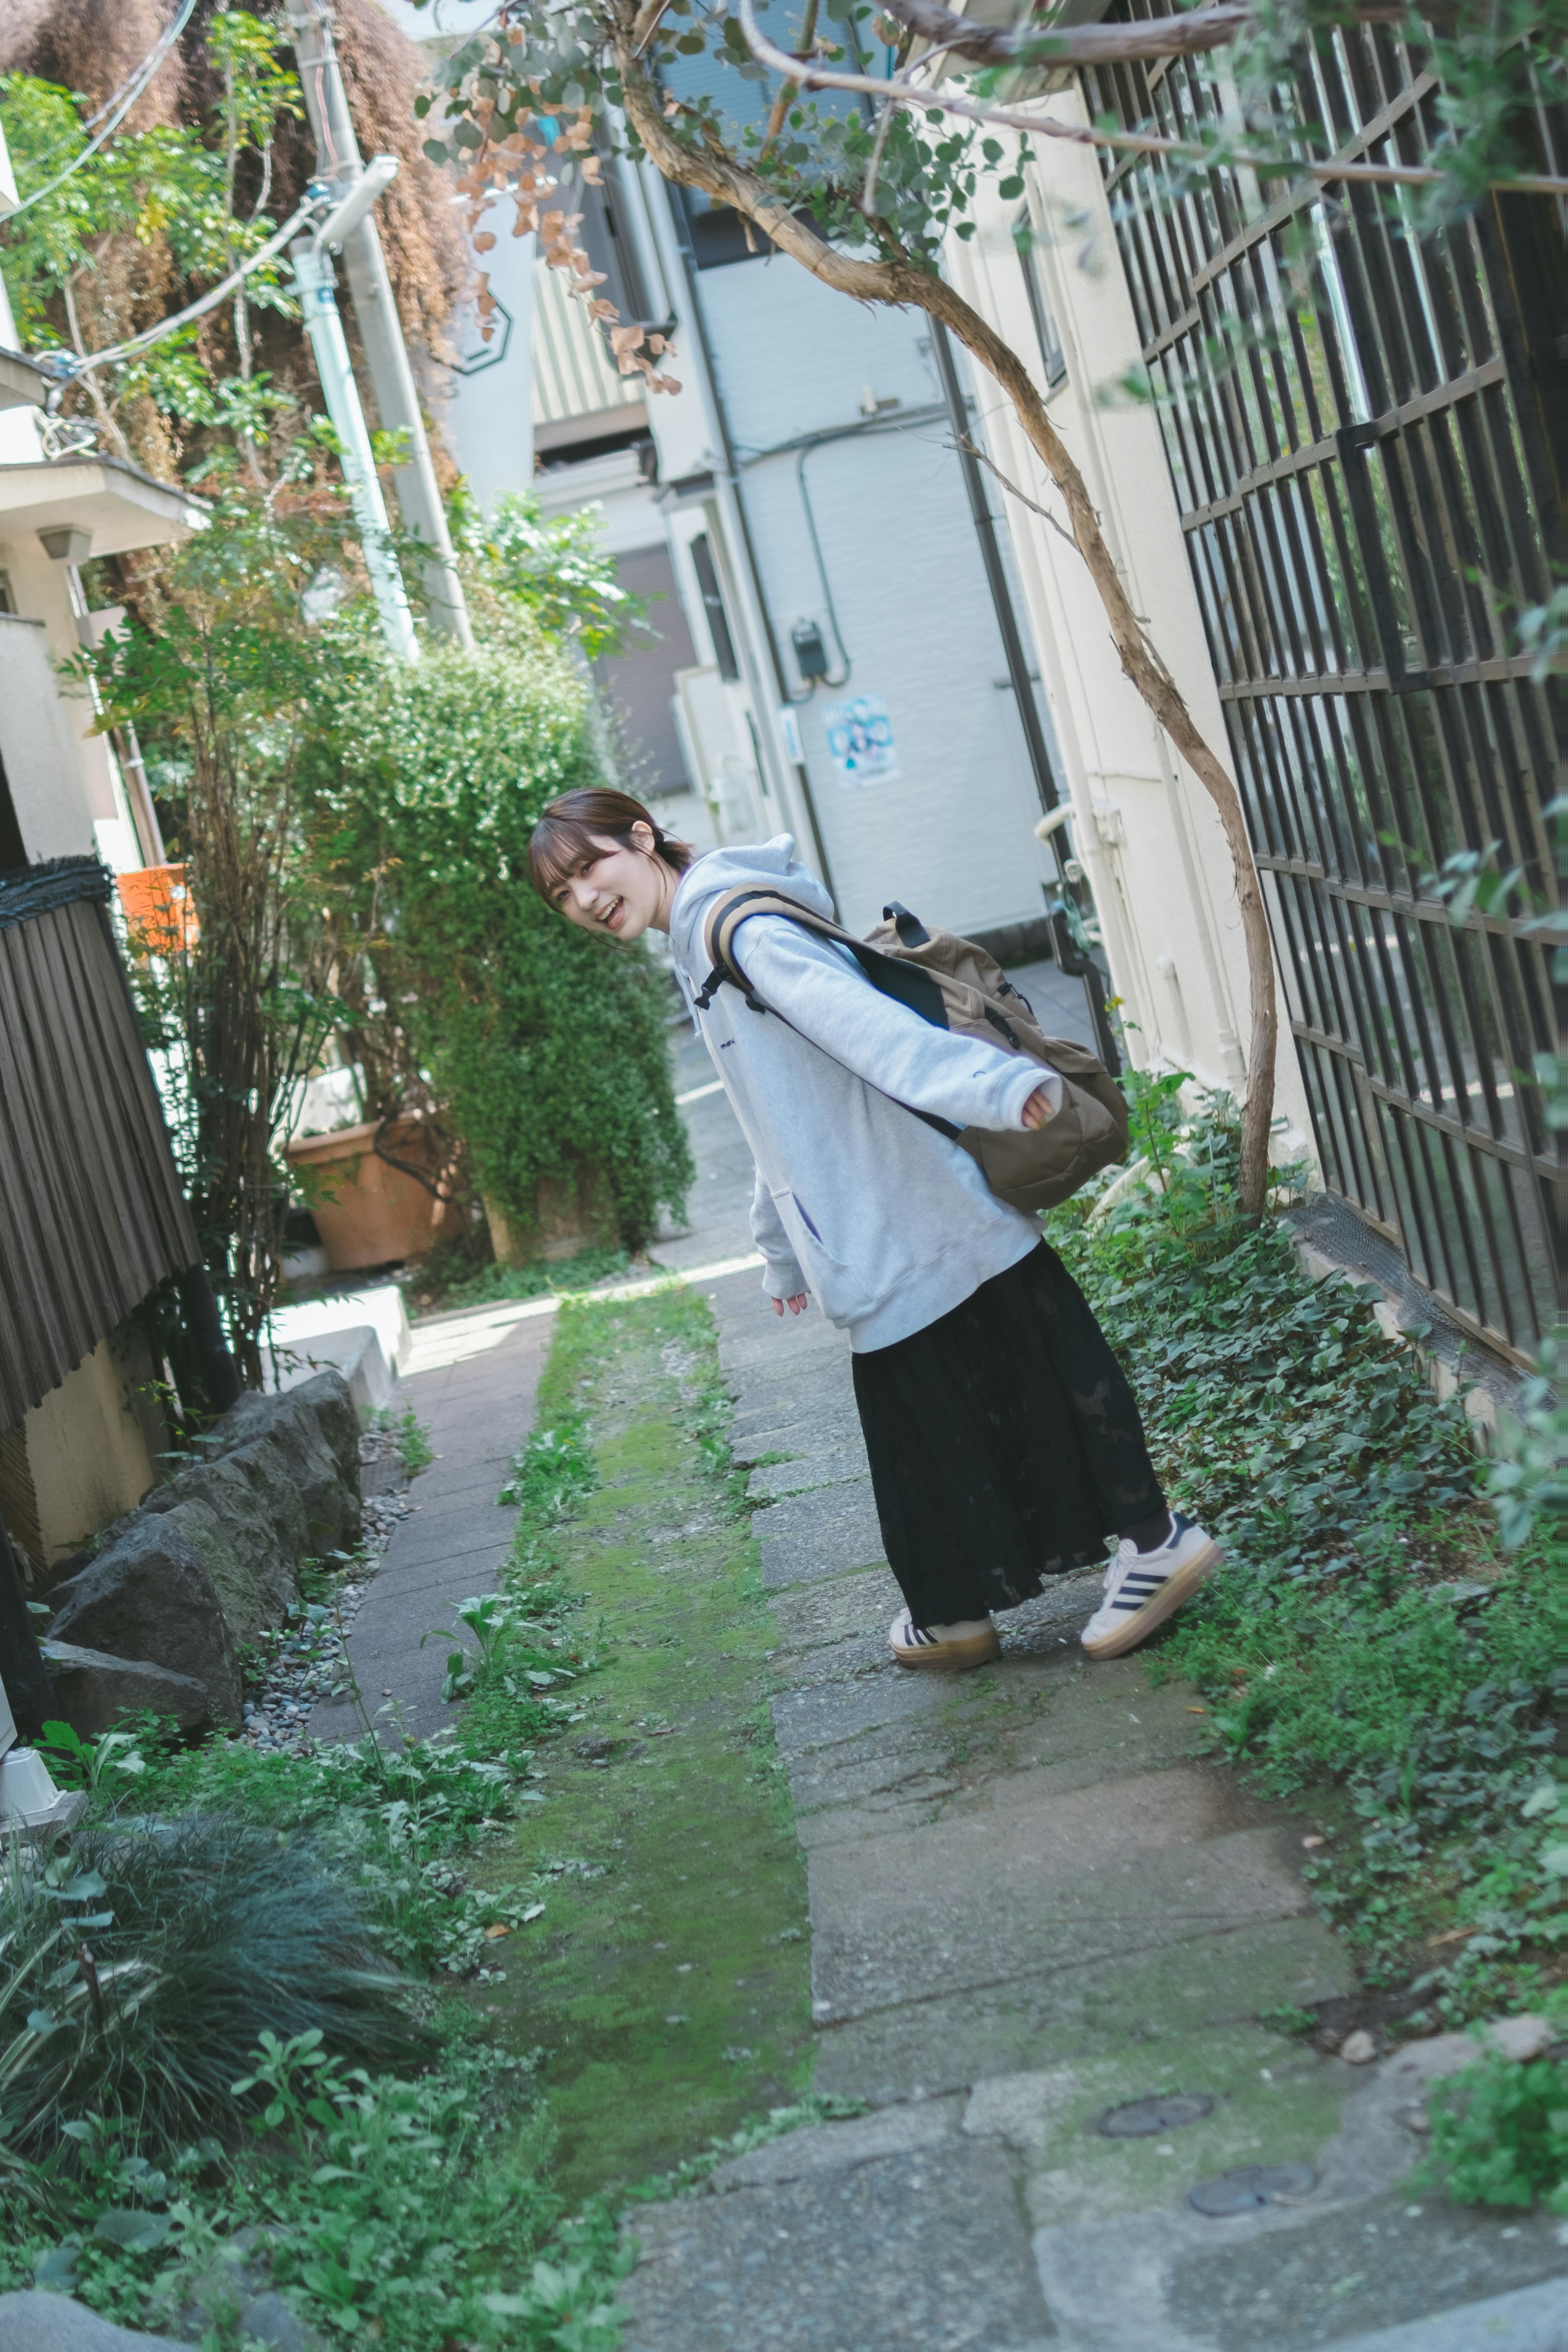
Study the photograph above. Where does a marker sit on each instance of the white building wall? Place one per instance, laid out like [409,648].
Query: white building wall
[1143,824]
[951,834]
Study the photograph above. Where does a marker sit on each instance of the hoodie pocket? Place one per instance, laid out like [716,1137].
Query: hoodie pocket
[842,1291]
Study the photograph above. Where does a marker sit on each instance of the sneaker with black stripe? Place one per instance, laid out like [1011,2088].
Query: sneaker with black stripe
[1143,1588]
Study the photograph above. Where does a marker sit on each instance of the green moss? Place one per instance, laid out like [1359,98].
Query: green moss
[667,1982]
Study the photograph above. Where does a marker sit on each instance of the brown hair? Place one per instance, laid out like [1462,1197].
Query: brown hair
[565,835]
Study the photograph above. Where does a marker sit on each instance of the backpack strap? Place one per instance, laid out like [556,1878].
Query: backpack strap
[725,916]
[908,983]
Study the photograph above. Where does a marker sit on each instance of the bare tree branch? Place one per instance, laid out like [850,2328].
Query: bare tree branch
[1028,118]
[1077,45]
[969,448]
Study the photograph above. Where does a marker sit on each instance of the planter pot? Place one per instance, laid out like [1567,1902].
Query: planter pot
[367,1212]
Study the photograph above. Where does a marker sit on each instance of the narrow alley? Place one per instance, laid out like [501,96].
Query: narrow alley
[1047,1932]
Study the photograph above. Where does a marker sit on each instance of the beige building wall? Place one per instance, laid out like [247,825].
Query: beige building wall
[1143,825]
[83,1457]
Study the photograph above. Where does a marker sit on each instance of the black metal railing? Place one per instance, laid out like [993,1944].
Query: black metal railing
[1367,431]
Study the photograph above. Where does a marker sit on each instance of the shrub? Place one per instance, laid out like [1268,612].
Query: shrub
[546,1048]
[142,1968]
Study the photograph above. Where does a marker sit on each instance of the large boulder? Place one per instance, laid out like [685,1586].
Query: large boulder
[149,1596]
[93,1692]
[251,1494]
[32,2320]
[316,1429]
[249,1603]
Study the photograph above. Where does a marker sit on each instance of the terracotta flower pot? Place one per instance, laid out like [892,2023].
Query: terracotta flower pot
[367,1212]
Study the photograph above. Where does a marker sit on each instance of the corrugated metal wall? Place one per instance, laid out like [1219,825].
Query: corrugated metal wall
[91,1216]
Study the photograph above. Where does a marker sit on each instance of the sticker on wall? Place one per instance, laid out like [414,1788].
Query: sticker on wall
[860,740]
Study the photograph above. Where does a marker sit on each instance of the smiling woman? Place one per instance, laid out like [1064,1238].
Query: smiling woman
[1004,1442]
[597,857]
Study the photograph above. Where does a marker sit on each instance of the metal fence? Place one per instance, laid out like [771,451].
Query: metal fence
[1367,430]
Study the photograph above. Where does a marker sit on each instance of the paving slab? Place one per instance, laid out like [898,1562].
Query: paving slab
[452,1544]
[819,1534]
[870,1950]
[925,2249]
[816,1466]
[1216,1982]
[813,1420]
[1402,2257]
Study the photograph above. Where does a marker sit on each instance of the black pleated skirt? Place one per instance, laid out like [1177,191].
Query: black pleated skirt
[1005,1444]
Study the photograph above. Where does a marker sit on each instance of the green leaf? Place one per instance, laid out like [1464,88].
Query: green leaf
[136,2232]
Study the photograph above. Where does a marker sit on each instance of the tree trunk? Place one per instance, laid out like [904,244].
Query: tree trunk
[902,285]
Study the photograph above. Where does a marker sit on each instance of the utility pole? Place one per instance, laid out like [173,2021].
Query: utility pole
[318,300]
[375,314]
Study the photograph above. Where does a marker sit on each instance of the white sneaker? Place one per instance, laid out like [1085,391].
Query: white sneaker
[1143,1588]
[952,1648]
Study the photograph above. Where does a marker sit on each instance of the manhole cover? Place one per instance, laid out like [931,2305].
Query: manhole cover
[1251,2185]
[1142,2119]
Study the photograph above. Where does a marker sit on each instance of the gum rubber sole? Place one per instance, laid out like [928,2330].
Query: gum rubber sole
[954,1657]
[1154,1612]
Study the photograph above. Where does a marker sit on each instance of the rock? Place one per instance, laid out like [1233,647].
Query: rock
[1358,2049]
[316,1429]
[34,2321]
[252,1495]
[268,2319]
[202,1528]
[1520,2037]
[92,1691]
[149,1596]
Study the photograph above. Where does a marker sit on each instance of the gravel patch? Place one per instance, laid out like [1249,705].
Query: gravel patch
[305,1659]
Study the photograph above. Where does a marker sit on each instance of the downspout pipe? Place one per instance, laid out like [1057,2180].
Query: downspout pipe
[318,302]
[1023,685]
[376,315]
[984,521]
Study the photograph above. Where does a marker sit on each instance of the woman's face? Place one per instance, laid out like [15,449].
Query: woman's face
[618,887]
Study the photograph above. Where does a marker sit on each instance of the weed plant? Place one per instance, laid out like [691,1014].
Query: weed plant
[1500,2133]
[1367,1639]
[395,2211]
[452,1280]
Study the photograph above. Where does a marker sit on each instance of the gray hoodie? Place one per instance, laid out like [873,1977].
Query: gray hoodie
[886,1222]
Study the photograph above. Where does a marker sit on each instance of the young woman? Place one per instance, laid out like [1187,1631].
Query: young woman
[1004,1442]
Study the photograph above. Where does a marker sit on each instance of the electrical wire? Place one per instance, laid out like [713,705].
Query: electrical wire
[140,75]
[124,98]
[68,369]
[800,449]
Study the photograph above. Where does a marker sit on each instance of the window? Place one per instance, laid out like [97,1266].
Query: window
[13,850]
[1053,359]
[713,605]
[607,237]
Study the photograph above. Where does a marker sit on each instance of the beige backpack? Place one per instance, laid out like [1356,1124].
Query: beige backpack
[955,985]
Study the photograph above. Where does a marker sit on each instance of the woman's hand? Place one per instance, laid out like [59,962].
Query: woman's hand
[797,1305]
[1038,1109]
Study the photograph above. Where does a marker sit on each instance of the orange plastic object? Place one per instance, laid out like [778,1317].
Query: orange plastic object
[158,910]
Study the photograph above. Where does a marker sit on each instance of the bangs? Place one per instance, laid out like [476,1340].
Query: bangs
[558,846]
